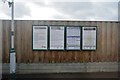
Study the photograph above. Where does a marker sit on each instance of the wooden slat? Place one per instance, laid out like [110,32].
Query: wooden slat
[94,54]
[4,42]
[114,42]
[30,41]
[18,40]
[26,41]
[116,46]
[119,41]
[1,28]
[8,39]
[99,41]
[23,42]
[117,37]
[26,24]
[104,40]
[109,38]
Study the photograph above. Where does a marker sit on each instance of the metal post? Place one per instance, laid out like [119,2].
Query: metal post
[12,50]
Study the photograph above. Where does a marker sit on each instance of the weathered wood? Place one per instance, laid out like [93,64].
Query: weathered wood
[1,42]
[99,40]
[94,54]
[119,42]
[6,40]
[109,38]
[104,40]
[107,43]
[18,40]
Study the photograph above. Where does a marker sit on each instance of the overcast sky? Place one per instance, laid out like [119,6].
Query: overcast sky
[62,10]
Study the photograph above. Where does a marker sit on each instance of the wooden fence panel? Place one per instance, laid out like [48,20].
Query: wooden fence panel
[107,43]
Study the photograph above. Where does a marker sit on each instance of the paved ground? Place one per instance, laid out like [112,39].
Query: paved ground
[66,76]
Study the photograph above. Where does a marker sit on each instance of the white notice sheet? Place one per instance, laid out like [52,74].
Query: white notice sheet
[89,38]
[57,38]
[40,37]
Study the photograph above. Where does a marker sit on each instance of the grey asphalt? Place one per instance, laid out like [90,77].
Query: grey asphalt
[65,76]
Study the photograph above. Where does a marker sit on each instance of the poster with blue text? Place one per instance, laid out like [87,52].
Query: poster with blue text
[73,38]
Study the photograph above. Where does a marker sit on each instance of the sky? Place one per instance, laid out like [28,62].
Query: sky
[92,10]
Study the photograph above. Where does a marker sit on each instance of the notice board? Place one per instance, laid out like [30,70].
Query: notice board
[40,37]
[73,38]
[57,37]
[89,38]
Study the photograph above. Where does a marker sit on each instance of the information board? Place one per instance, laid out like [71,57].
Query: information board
[73,38]
[56,37]
[89,38]
[40,37]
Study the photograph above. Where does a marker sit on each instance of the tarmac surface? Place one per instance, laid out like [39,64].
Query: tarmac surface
[65,76]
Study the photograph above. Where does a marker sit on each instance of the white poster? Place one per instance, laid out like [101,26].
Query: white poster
[89,38]
[73,38]
[40,37]
[57,37]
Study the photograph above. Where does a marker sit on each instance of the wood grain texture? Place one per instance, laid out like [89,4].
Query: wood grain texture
[109,38]
[107,43]
[1,41]
[6,40]
[119,41]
